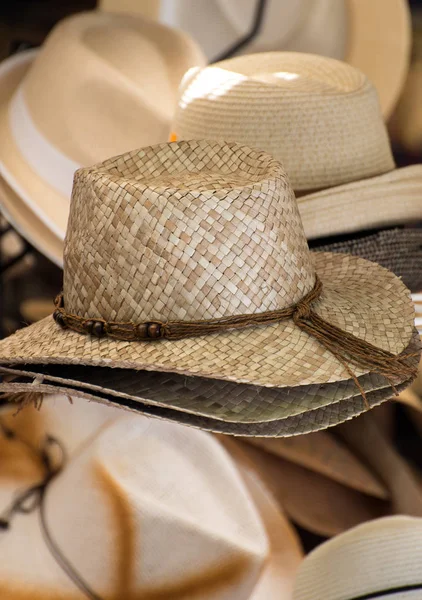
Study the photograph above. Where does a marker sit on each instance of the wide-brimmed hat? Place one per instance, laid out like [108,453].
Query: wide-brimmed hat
[190,258]
[380,559]
[372,36]
[399,250]
[108,539]
[101,84]
[322,119]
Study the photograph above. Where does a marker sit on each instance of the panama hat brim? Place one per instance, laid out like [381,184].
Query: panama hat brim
[50,209]
[373,203]
[359,297]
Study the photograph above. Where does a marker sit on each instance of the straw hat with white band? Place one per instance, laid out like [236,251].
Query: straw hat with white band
[373,36]
[381,559]
[322,119]
[101,84]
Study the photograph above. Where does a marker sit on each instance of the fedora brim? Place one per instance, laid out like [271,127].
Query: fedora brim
[379,45]
[330,509]
[327,456]
[393,198]
[49,208]
[359,297]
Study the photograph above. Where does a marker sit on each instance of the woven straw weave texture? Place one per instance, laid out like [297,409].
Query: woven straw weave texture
[221,400]
[188,399]
[313,420]
[310,112]
[198,230]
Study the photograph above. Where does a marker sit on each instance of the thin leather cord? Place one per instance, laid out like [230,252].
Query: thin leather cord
[388,592]
[347,348]
[33,498]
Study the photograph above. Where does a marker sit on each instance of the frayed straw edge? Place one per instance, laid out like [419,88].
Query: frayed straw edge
[24,399]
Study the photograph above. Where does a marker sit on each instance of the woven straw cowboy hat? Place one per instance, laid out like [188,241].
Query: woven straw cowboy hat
[399,250]
[100,85]
[380,559]
[194,234]
[372,36]
[112,539]
[322,119]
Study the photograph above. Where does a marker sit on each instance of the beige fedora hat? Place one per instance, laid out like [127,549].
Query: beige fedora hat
[322,119]
[380,559]
[229,202]
[372,36]
[101,84]
[113,539]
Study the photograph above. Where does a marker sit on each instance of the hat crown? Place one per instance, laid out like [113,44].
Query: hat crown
[89,90]
[319,116]
[138,485]
[184,231]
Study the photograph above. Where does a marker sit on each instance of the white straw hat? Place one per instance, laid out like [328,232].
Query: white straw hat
[135,526]
[381,559]
[319,117]
[374,36]
[101,84]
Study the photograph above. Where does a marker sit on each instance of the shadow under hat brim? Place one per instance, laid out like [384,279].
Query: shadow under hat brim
[391,199]
[48,206]
[358,296]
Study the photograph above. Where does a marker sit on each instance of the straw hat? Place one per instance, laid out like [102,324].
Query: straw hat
[108,539]
[163,227]
[372,36]
[100,85]
[398,250]
[380,559]
[322,119]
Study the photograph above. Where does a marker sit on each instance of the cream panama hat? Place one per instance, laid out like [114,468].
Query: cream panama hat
[372,36]
[100,85]
[380,559]
[322,119]
[114,538]
[189,259]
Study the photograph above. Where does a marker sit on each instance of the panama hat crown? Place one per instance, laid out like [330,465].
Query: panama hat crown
[205,230]
[319,116]
[322,119]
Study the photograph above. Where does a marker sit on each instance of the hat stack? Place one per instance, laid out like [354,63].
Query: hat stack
[249,278]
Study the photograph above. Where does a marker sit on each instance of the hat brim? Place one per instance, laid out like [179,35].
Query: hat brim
[327,456]
[306,422]
[359,297]
[379,45]
[330,509]
[49,208]
[393,198]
